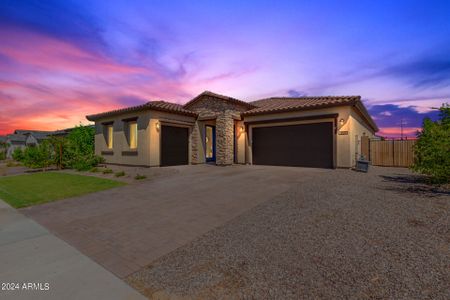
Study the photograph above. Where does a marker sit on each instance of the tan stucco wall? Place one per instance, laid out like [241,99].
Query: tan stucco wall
[347,146]
[148,150]
[241,137]
[342,142]
[358,128]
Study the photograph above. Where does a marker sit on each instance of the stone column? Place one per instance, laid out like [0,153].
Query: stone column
[195,143]
[224,139]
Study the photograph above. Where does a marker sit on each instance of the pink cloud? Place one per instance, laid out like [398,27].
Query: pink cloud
[395,132]
[41,51]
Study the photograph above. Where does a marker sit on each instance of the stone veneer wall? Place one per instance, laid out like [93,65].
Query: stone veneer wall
[224,110]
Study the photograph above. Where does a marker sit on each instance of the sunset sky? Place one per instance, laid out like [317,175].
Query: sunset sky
[62,60]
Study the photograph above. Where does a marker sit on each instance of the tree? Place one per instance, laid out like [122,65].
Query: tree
[40,156]
[17,154]
[79,149]
[433,147]
[3,148]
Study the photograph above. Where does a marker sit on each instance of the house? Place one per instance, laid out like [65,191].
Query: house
[323,132]
[24,138]
[14,141]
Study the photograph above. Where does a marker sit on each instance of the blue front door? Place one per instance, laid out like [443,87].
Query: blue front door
[210,143]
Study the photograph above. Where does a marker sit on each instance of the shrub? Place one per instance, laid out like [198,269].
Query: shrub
[17,154]
[94,170]
[119,174]
[2,155]
[78,152]
[40,156]
[139,177]
[433,147]
[107,171]
[12,164]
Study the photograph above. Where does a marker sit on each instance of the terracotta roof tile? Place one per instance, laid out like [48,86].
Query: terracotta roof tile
[223,97]
[155,105]
[283,104]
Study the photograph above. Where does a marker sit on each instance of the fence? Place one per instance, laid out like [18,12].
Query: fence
[391,153]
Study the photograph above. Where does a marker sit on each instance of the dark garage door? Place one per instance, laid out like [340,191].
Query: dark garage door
[174,145]
[306,145]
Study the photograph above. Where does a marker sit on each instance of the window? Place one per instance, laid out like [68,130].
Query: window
[133,131]
[110,133]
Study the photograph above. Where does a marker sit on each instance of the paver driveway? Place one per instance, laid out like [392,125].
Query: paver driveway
[125,229]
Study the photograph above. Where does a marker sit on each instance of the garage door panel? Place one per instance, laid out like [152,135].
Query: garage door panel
[174,145]
[305,145]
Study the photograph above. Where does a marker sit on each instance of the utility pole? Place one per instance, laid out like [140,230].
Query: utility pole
[401,129]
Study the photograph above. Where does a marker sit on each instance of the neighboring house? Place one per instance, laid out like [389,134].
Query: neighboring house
[14,141]
[322,132]
[24,138]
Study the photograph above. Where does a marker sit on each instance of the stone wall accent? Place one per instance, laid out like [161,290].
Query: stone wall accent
[196,142]
[224,128]
[224,138]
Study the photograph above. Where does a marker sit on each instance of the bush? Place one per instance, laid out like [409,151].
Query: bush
[139,177]
[17,154]
[94,170]
[2,155]
[107,171]
[12,164]
[433,147]
[78,149]
[119,174]
[40,156]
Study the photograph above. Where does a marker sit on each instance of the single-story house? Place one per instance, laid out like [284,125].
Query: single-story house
[24,138]
[14,141]
[323,132]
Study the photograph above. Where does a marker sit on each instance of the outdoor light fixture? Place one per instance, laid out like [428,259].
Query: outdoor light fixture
[242,128]
[158,126]
[341,122]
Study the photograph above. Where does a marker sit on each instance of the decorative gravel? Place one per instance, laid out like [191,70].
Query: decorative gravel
[380,235]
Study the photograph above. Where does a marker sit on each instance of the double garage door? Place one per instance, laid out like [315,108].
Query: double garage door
[174,145]
[305,145]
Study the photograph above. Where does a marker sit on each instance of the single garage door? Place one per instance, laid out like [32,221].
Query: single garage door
[306,145]
[174,145]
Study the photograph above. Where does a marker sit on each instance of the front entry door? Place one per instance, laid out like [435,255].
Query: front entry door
[210,143]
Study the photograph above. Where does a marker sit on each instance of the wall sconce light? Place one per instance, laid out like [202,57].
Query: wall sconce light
[341,122]
[242,128]
[158,126]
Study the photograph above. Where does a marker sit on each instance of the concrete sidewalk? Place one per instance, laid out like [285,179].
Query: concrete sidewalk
[48,266]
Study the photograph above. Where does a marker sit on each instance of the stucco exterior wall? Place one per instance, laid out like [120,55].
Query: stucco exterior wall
[358,128]
[148,145]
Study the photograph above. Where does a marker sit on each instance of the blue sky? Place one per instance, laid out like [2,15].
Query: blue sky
[61,60]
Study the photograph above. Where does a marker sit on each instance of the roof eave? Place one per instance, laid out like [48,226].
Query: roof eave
[295,109]
[360,106]
[96,117]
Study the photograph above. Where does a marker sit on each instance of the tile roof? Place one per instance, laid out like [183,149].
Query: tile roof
[152,105]
[284,104]
[223,97]
[16,138]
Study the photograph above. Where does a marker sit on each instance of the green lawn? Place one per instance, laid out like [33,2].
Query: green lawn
[31,189]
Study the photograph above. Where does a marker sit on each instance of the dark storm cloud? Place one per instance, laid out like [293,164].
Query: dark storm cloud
[390,115]
[432,70]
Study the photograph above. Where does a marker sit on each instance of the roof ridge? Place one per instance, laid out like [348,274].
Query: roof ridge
[220,96]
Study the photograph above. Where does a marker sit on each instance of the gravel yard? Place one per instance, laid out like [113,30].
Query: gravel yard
[341,235]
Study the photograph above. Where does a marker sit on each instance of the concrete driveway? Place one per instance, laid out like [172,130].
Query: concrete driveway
[127,228]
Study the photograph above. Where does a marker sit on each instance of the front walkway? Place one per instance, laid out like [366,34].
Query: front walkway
[48,266]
